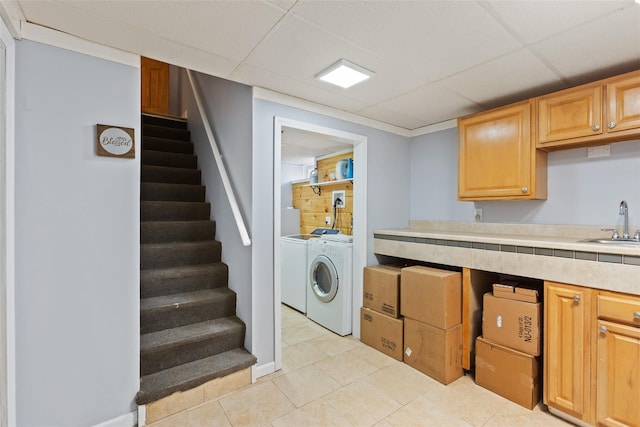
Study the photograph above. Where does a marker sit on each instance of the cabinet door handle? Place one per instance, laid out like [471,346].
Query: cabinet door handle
[636,315]
[612,125]
[595,128]
[576,298]
[602,329]
[525,189]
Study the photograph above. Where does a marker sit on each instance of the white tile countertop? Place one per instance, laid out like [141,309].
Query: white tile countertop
[547,252]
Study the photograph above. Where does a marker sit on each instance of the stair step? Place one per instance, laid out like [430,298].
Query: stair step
[170,175]
[174,160]
[167,145]
[177,231]
[190,278]
[172,347]
[184,377]
[174,211]
[166,132]
[172,192]
[172,311]
[169,255]
[166,121]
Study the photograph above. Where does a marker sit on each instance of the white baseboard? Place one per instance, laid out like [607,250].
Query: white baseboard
[262,370]
[126,420]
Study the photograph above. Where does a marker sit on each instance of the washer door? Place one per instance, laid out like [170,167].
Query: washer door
[324,279]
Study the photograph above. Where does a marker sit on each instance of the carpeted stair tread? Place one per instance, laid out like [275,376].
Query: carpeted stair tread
[184,377]
[163,158]
[170,338]
[166,132]
[167,145]
[185,299]
[172,311]
[169,175]
[189,278]
[172,192]
[156,210]
[167,255]
[172,347]
[176,231]
[166,121]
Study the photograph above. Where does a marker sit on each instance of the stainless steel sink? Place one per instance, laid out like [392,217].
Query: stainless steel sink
[618,241]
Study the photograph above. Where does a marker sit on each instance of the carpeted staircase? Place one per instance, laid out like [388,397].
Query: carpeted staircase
[189,331]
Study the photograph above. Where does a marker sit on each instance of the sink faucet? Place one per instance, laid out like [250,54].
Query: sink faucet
[624,211]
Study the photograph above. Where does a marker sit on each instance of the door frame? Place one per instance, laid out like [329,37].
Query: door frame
[359,219]
[7,237]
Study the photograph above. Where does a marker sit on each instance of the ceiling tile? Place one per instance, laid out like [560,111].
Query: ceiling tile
[587,52]
[287,53]
[432,39]
[512,77]
[536,20]
[391,117]
[207,25]
[286,85]
[433,103]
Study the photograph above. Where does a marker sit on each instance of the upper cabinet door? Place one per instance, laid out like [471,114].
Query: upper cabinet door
[154,86]
[496,159]
[572,113]
[624,105]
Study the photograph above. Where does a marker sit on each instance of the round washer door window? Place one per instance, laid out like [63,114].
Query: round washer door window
[324,279]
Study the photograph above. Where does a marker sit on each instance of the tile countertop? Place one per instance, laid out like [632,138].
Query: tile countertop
[547,252]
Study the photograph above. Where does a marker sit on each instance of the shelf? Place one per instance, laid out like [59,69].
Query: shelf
[318,185]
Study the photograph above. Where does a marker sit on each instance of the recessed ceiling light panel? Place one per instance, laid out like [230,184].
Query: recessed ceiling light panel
[344,74]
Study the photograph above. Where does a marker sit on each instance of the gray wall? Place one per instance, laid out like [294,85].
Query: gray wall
[77,240]
[228,107]
[582,191]
[387,200]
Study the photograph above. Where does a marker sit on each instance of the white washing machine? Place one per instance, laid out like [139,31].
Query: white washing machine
[329,291]
[293,270]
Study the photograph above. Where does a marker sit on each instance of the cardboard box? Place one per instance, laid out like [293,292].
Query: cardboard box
[509,373]
[511,323]
[381,289]
[514,292]
[431,296]
[382,332]
[433,351]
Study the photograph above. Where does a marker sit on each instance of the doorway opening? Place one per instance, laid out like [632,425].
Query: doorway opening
[358,143]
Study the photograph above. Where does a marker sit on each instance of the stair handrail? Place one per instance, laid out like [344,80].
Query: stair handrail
[235,209]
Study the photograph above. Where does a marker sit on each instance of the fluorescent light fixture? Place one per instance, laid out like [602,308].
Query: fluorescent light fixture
[344,74]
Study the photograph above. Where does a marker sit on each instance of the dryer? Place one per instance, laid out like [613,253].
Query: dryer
[329,290]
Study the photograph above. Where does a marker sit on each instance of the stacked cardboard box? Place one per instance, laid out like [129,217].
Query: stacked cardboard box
[430,301]
[380,325]
[507,361]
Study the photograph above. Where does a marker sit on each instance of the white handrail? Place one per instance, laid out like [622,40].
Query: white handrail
[242,228]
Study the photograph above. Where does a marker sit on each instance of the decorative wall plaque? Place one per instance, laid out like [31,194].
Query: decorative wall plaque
[115,141]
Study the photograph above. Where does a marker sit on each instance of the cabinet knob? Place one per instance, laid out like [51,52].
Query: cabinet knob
[612,125]
[636,315]
[595,128]
[525,189]
[576,298]
[602,329]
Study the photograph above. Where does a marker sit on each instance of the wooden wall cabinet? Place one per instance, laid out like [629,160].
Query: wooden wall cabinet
[567,358]
[497,157]
[596,113]
[592,354]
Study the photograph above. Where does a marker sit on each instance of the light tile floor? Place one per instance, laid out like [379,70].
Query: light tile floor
[328,380]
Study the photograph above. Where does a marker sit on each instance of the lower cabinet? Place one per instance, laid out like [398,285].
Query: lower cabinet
[592,354]
[567,358]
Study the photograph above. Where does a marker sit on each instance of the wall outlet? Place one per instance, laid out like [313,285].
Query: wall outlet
[327,220]
[338,199]
[478,214]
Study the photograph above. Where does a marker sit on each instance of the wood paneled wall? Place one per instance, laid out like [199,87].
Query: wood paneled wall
[315,208]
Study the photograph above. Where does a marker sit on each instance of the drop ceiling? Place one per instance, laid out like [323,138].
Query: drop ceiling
[433,60]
